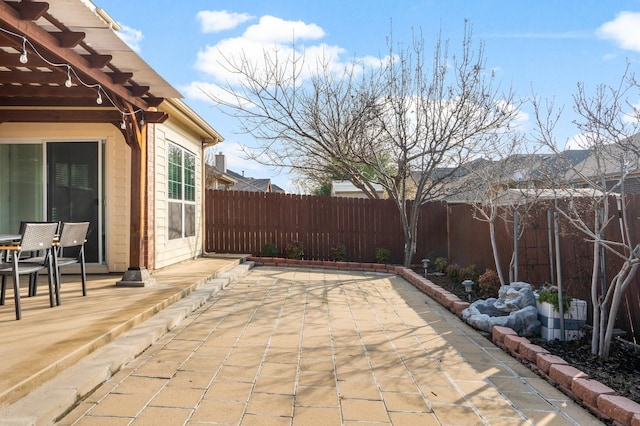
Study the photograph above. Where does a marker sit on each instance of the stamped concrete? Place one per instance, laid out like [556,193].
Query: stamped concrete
[322,347]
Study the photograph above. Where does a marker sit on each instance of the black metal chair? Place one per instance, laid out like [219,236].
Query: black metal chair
[35,237]
[72,235]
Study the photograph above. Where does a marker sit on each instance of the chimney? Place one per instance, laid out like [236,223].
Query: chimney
[221,162]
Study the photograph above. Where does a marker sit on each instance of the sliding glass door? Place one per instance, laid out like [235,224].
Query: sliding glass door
[21,185]
[54,181]
[73,188]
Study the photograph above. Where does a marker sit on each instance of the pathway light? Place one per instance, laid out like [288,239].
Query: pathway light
[468,287]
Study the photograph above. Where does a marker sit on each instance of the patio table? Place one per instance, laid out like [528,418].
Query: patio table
[8,238]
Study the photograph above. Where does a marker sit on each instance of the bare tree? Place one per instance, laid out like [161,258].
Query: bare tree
[609,131]
[500,187]
[408,123]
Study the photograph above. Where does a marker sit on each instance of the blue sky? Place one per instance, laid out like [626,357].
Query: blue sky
[543,46]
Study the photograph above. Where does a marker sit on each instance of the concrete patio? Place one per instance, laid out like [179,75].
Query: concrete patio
[48,340]
[290,346]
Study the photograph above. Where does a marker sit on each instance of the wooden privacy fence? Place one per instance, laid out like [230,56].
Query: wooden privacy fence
[469,244]
[243,222]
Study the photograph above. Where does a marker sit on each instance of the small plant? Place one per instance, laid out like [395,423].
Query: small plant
[339,253]
[383,255]
[470,273]
[294,250]
[440,264]
[489,284]
[269,250]
[453,272]
[551,297]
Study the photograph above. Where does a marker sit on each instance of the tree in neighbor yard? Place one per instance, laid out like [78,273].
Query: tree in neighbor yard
[497,186]
[608,124]
[406,122]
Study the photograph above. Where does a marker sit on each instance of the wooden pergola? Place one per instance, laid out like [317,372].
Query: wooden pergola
[61,61]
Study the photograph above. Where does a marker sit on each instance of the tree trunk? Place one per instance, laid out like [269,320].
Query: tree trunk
[622,282]
[494,247]
[595,302]
[411,235]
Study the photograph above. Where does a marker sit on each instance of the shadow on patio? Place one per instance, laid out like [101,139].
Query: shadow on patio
[48,340]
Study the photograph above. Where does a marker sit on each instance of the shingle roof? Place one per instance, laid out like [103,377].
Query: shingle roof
[245,183]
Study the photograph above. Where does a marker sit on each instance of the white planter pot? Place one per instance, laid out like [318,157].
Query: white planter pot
[574,320]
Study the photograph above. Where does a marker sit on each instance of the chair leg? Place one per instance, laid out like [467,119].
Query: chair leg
[4,288]
[16,288]
[54,277]
[83,272]
[33,284]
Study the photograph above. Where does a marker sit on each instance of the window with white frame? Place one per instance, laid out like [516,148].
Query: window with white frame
[181,193]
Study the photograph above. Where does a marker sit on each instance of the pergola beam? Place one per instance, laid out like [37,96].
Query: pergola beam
[30,11]
[50,46]
[18,101]
[73,116]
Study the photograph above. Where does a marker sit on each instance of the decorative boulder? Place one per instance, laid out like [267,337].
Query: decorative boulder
[514,297]
[515,308]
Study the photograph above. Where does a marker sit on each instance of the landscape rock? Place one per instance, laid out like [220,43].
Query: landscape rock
[515,308]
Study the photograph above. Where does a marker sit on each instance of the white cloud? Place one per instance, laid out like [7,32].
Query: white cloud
[271,29]
[520,117]
[579,141]
[221,20]
[586,141]
[274,36]
[624,30]
[132,37]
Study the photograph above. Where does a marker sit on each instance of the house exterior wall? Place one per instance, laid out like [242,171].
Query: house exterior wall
[631,184]
[349,190]
[117,187]
[170,251]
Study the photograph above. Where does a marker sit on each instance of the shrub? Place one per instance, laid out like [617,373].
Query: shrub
[269,250]
[440,264]
[294,250]
[552,297]
[383,255]
[339,253]
[470,273]
[453,272]
[489,284]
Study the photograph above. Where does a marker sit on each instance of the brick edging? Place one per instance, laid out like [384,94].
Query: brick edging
[601,400]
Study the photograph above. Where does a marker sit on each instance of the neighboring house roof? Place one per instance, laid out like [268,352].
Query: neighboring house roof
[609,161]
[515,171]
[244,183]
[236,181]
[276,188]
[222,178]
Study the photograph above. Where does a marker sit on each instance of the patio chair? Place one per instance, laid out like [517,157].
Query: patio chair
[36,237]
[72,235]
[34,257]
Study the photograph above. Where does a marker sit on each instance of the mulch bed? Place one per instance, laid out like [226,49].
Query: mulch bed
[621,372]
